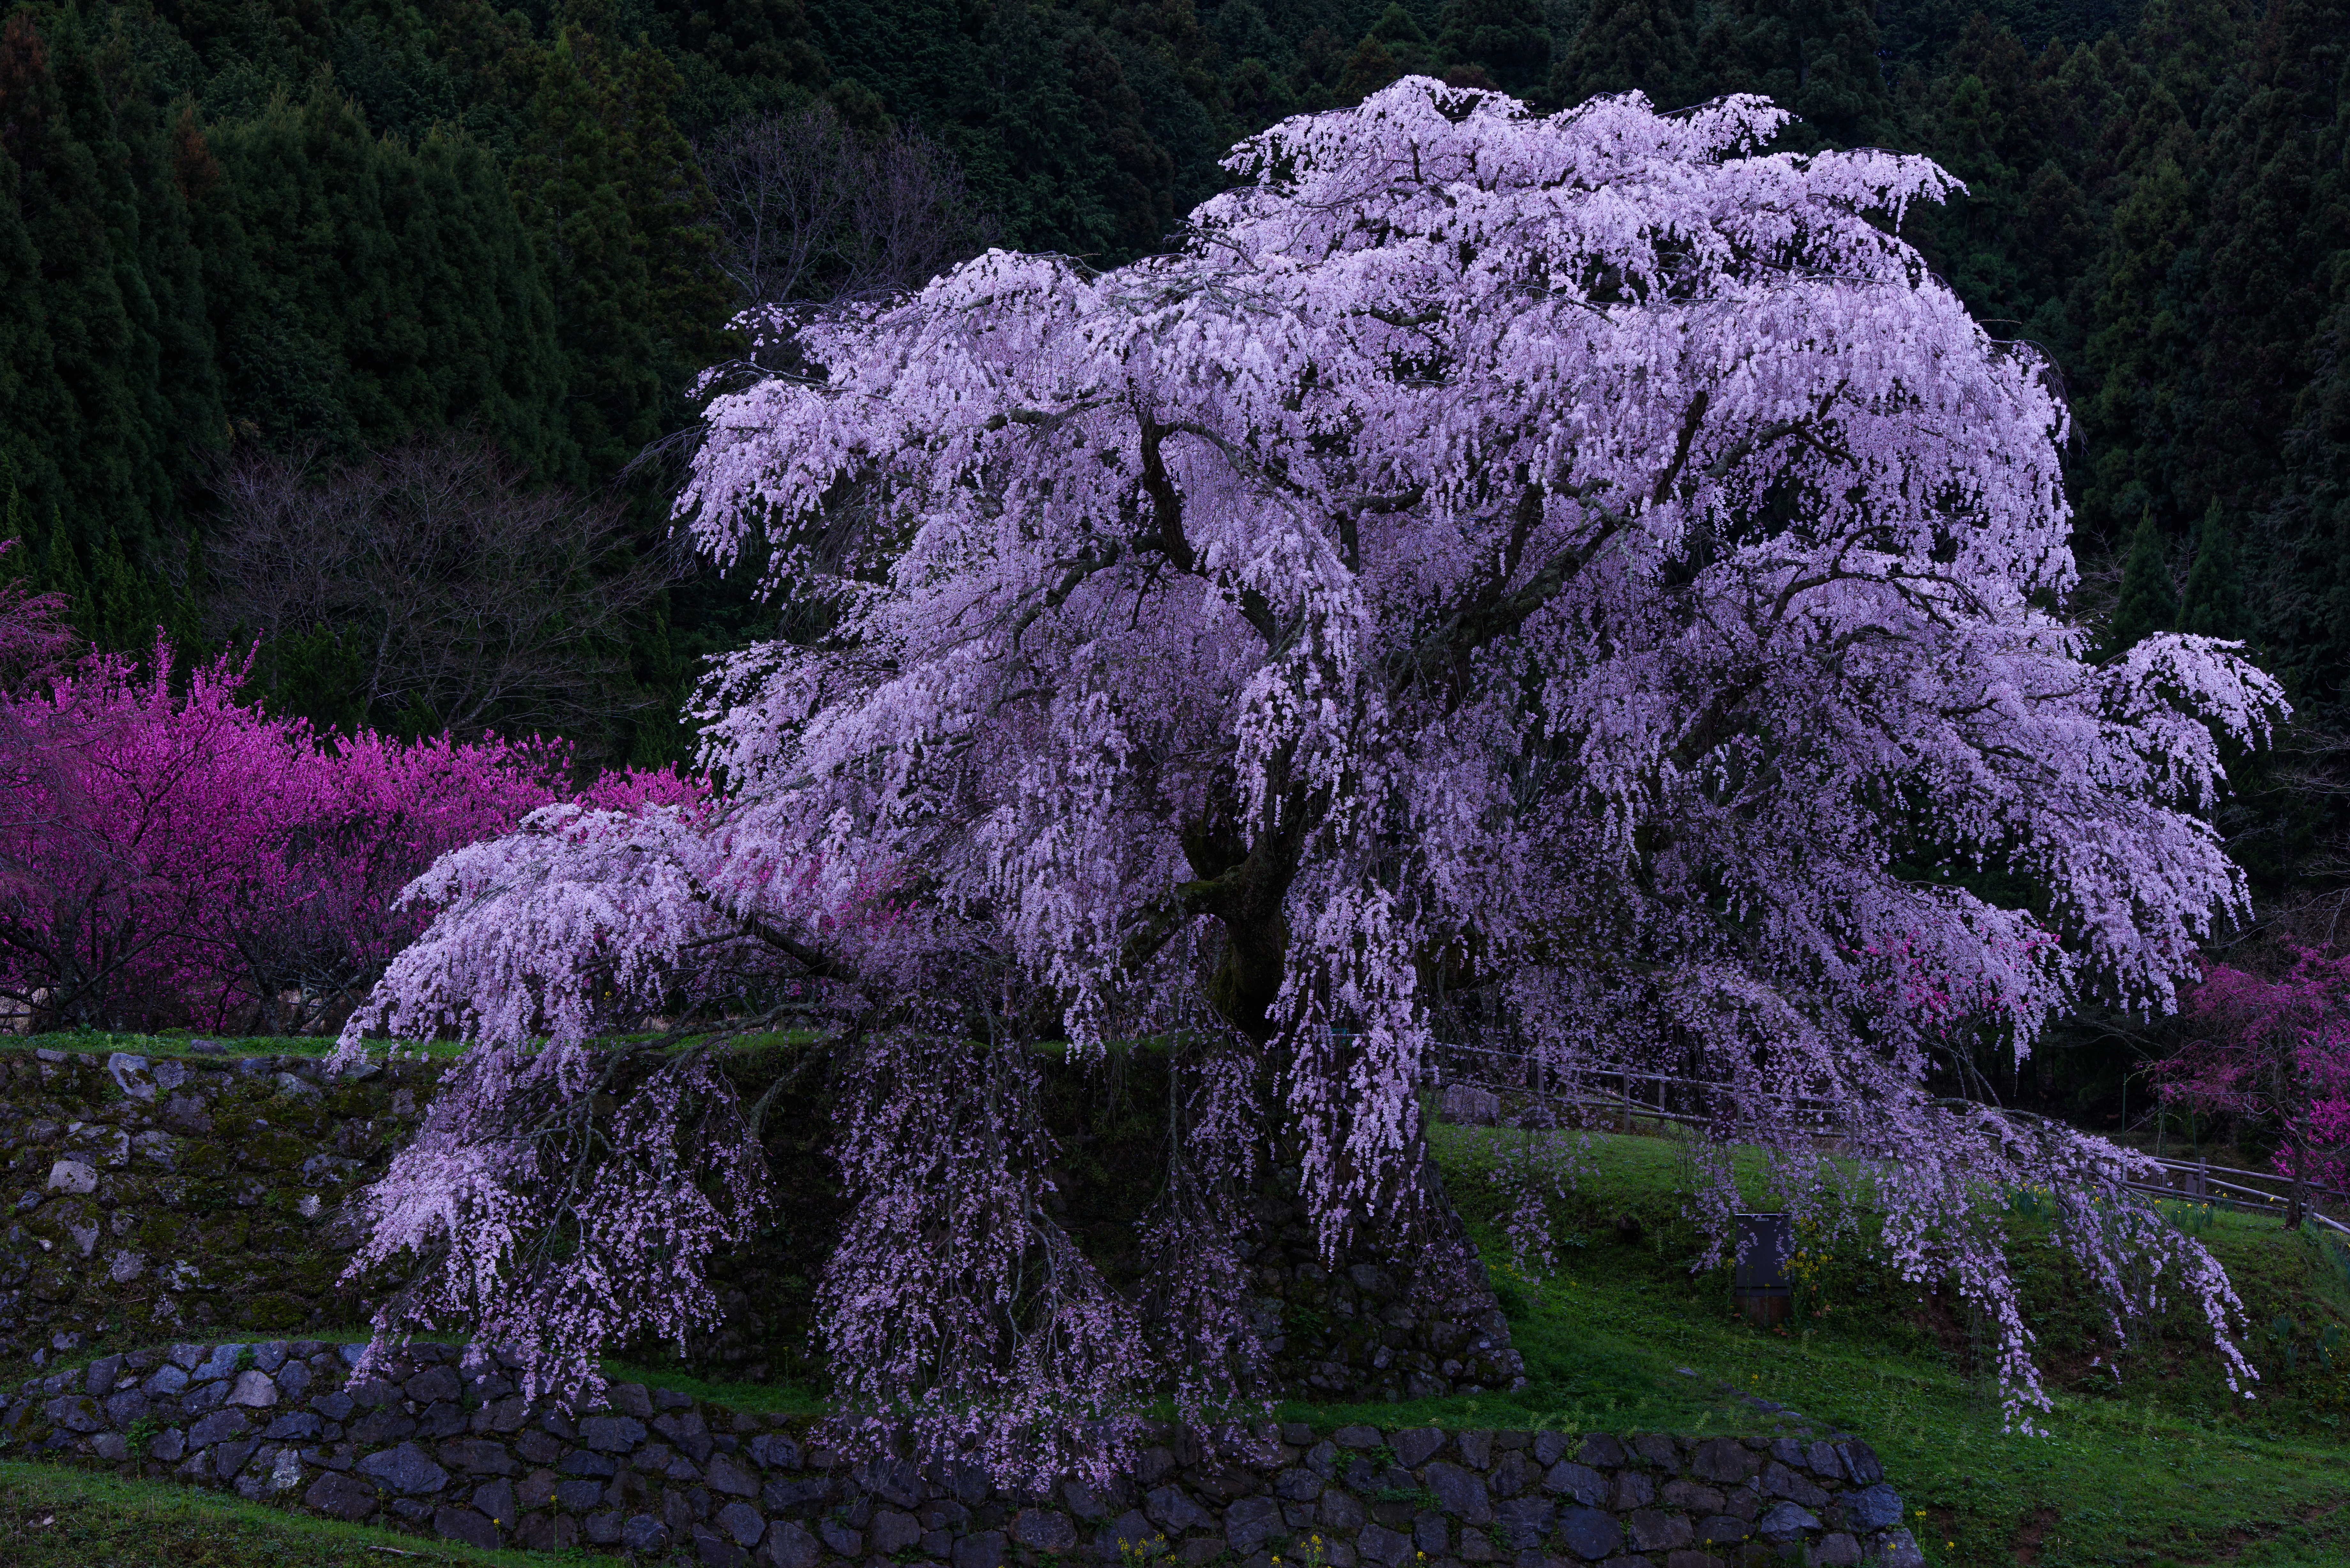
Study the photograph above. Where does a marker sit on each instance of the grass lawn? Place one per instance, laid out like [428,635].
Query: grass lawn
[2162,1468]
[65,1519]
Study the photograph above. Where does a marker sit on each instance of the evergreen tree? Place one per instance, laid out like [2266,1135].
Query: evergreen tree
[99,287]
[364,290]
[616,204]
[2276,229]
[1508,39]
[1395,46]
[1816,57]
[2212,602]
[1627,44]
[2146,603]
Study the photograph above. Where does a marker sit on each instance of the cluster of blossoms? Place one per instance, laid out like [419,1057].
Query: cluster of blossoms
[1575,579]
[2277,1051]
[171,855]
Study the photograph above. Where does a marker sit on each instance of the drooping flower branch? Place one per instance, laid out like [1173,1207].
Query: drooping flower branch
[1575,577]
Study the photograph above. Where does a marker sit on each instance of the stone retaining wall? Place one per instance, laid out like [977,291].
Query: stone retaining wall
[444,1444]
[159,1197]
[153,1198]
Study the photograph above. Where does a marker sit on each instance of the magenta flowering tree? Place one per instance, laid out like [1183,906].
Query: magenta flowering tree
[2277,1052]
[173,853]
[1559,577]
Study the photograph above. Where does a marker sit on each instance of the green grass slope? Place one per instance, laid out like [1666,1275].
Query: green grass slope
[2157,1468]
[2161,1469]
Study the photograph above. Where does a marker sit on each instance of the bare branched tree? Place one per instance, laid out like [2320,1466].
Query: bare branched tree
[812,211]
[444,590]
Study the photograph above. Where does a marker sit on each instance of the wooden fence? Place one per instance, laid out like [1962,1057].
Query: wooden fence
[1628,1099]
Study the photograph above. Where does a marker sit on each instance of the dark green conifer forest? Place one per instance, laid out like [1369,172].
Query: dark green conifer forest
[308,232]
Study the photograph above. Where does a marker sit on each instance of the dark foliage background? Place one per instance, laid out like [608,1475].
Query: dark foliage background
[318,231]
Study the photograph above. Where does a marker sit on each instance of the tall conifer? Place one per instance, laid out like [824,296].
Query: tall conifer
[2147,603]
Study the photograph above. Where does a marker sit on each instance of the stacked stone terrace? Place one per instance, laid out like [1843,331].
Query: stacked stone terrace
[446,1445]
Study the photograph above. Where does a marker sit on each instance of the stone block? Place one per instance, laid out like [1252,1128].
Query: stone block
[1357,1437]
[1836,1550]
[1658,1449]
[343,1497]
[218,1427]
[1036,1529]
[1249,1524]
[1870,1508]
[1174,1512]
[1342,1511]
[219,1364]
[1589,1534]
[984,1550]
[406,1469]
[1898,1549]
[1476,1450]
[497,1501]
[1778,1480]
[1297,1484]
[1416,1447]
[1520,1524]
[1725,1461]
[73,1176]
[1431,1534]
[1579,1481]
[580,1494]
[775,1452]
[465,1524]
[384,1425]
[722,1474]
[253,1391]
[1459,1492]
[1721,1530]
[712,1547]
[1860,1464]
[797,1492]
[479,1457]
[75,1413]
[613,1434]
[645,1535]
[1785,1522]
[547,1532]
[1688,1494]
[445,1419]
[1385,1547]
[789,1546]
[1597,1449]
[1656,1530]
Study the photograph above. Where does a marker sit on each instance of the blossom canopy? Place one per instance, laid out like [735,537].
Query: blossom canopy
[1572,579]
